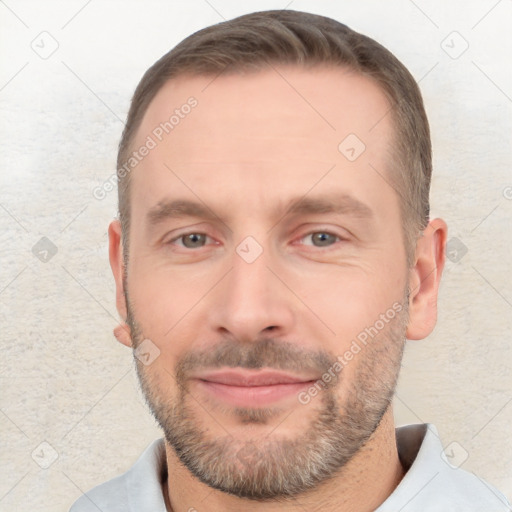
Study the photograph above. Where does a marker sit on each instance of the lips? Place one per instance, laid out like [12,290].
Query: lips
[249,388]
[246,378]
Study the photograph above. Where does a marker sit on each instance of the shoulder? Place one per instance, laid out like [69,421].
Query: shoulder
[110,496]
[140,488]
[434,480]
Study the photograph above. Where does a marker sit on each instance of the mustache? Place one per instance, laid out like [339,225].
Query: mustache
[264,353]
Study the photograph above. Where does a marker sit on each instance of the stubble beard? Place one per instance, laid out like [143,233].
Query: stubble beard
[274,467]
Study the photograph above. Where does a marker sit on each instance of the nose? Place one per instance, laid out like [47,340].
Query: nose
[251,302]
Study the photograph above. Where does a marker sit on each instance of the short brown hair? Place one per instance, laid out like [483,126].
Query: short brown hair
[255,40]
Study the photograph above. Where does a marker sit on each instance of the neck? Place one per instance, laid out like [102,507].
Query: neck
[362,485]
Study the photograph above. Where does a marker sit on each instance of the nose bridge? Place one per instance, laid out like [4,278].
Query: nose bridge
[251,299]
[249,277]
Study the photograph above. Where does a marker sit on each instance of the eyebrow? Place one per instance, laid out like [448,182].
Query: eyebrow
[341,204]
[169,209]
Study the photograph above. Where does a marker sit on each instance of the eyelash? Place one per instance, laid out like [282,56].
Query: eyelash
[339,238]
[311,233]
[181,237]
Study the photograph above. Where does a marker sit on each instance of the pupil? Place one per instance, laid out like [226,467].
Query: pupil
[322,239]
[193,240]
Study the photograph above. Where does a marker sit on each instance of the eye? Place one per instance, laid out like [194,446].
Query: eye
[321,239]
[191,240]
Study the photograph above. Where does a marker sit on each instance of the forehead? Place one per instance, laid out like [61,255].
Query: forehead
[329,102]
[280,128]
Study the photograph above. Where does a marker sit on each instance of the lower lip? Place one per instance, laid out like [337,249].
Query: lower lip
[250,396]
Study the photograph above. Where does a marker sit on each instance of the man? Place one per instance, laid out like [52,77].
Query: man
[273,253]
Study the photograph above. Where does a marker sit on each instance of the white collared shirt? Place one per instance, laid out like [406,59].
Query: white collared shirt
[432,482]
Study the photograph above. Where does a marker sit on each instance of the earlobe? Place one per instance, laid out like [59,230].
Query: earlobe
[424,280]
[122,332]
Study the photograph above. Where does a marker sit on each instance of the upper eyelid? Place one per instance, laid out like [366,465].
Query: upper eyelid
[177,233]
[323,231]
[334,232]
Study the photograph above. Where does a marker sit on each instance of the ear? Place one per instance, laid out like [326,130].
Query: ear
[424,279]
[122,331]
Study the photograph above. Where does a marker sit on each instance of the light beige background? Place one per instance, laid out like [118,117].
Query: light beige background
[65,381]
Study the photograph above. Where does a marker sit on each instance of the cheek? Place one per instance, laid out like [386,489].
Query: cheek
[165,302]
[351,298]
[158,383]
[162,296]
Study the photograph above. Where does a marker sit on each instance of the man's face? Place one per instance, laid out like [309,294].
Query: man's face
[261,248]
